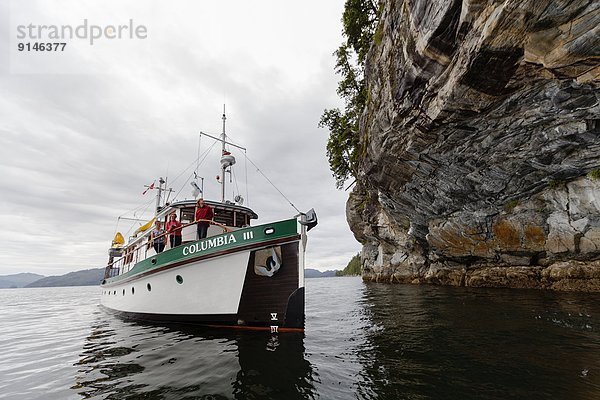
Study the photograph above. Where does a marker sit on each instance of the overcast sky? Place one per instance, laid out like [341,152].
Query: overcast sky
[84,129]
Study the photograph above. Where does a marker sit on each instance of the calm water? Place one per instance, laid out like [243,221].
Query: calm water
[361,341]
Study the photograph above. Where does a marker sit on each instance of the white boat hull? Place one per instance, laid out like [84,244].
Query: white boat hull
[207,287]
[252,277]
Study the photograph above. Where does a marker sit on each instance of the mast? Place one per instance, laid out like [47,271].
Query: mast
[227,159]
[223,166]
[161,182]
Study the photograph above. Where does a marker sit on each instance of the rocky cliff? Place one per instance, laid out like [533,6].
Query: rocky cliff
[481,144]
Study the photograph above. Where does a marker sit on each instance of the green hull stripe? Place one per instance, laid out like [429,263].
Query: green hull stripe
[225,242]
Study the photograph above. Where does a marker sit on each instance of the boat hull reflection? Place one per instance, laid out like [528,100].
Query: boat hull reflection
[126,358]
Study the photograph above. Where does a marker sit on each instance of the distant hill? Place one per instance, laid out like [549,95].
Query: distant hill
[91,277]
[88,277]
[313,273]
[18,280]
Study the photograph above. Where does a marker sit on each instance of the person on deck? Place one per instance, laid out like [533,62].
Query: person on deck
[204,214]
[157,236]
[174,229]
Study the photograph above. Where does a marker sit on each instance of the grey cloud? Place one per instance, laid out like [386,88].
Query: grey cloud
[76,150]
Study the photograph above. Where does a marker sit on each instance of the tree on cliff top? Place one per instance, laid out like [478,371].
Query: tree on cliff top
[359,20]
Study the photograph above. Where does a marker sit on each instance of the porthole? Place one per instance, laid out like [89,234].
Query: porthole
[153,261]
[132,291]
[179,279]
[149,287]
[115,292]
[123,292]
[269,231]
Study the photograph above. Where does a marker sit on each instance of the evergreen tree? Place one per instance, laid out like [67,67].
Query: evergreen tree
[353,267]
[359,20]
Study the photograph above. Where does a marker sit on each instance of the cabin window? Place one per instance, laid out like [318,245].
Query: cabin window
[187,215]
[241,219]
[149,287]
[179,279]
[224,217]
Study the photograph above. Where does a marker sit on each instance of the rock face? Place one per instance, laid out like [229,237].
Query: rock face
[481,145]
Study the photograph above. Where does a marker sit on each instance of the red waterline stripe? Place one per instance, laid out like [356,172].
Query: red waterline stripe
[255,328]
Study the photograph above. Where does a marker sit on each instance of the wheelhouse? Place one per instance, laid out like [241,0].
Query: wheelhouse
[230,215]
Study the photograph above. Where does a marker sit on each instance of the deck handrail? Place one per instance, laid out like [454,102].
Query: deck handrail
[150,239]
[226,228]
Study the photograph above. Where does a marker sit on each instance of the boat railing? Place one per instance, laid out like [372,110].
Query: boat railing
[133,254]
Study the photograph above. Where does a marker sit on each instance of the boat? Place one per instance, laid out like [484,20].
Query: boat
[240,276]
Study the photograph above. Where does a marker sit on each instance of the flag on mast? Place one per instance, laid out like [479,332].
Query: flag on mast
[151,186]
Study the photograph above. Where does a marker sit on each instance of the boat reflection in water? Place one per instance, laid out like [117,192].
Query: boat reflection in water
[123,359]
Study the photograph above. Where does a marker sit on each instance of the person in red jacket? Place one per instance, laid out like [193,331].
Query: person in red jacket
[174,229]
[205,213]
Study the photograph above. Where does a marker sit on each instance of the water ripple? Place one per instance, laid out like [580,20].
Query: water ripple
[362,341]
